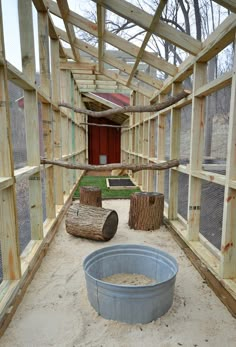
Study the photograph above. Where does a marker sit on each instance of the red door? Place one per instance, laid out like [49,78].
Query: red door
[104,142]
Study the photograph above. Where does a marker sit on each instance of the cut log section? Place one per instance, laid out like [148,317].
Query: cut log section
[95,223]
[146,211]
[90,195]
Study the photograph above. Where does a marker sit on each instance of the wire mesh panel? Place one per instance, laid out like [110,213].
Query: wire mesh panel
[185,134]
[216,130]
[183,195]
[23,212]
[17,125]
[166,185]
[212,201]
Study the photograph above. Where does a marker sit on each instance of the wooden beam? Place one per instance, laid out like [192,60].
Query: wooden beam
[153,24]
[31,117]
[196,153]
[101,14]
[175,128]
[115,40]
[218,40]
[109,59]
[229,4]
[143,19]
[64,9]
[228,246]
[8,227]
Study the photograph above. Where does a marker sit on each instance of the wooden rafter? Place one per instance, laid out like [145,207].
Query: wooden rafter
[41,6]
[101,28]
[116,41]
[154,22]
[229,4]
[143,19]
[64,9]
[109,59]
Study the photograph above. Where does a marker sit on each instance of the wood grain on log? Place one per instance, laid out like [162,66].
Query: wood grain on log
[90,222]
[90,195]
[146,211]
[138,108]
[133,167]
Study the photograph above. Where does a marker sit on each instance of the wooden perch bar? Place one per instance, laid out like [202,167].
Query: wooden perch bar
[138,108]
[133,167]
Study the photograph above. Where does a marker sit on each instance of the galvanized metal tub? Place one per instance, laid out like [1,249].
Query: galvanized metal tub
[127,303]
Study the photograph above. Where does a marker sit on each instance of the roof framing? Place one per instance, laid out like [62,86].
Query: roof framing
[114,40]
[144,20]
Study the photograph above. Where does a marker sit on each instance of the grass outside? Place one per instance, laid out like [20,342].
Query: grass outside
[100,182]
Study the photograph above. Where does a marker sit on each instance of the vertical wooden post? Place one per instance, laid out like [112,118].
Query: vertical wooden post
[151,152]
[196,152]
[65,127]
[46,109]
[228,243]
[8,226]
[174,154]
[55,75]
[31,117]
[161,131]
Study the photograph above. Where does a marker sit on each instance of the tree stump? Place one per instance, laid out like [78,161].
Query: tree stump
[95,223]
[90,195]
[146,211]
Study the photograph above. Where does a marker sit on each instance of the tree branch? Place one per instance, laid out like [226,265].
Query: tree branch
[105,125]
[133,167]
[139,108]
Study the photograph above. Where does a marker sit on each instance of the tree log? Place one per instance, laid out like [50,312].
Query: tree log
[133,167]
[146,211]
[138,108]
[89,222]
[91,196]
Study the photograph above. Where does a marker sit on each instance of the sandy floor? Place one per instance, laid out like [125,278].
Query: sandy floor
[55,310]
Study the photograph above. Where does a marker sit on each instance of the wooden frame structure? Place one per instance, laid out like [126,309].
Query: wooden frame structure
[64,75]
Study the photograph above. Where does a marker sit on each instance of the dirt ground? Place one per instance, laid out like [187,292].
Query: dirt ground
[55,310]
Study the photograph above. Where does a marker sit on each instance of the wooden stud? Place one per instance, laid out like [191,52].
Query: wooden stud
[228,245]
[8,226]
[31,117]
[47,116]
[196,153]
[174,153]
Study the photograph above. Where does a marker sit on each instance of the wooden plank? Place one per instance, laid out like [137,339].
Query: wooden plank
[228,246]
[64,9]
[154,23]
[161,136]
[31,116]
[143,19]
[196,153]
[174,153]
[57,146]
[218,40]
[229,4]
[25,172]
[115,40]
[8,226]
[47,117]
[109,59]
[215,85]
[215,284]
[101,28]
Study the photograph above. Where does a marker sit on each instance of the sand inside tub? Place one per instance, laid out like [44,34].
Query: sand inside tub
[129,279]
